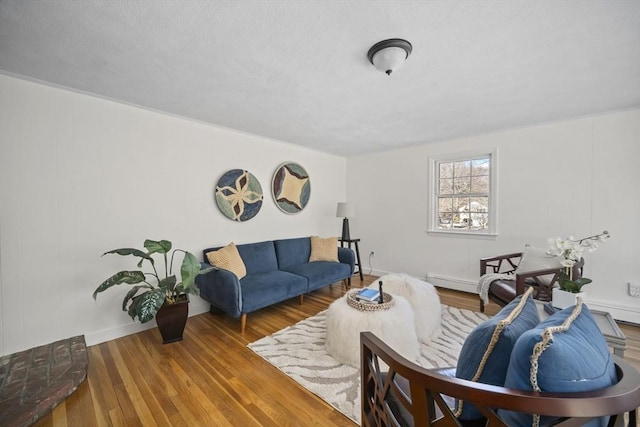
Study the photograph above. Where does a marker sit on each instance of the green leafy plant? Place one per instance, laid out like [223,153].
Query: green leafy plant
[146,297]
[573,286]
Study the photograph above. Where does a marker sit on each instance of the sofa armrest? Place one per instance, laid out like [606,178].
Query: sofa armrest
[346,256]
[221,288]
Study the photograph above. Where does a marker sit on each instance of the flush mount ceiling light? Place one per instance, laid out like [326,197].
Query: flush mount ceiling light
[389,55]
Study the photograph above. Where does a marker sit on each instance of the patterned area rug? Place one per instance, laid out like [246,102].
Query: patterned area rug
[299,352]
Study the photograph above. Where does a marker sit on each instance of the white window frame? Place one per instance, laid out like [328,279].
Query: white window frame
[434,162]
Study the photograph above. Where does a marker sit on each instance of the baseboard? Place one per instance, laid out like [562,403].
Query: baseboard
[453,283]
[119,331]
[442,281]
[371,272]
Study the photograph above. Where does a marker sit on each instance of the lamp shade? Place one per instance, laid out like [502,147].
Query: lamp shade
[346,210]
[389,55]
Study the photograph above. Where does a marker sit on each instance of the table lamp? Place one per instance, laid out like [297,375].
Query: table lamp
[346,211]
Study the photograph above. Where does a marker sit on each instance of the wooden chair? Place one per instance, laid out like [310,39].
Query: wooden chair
[504,291]
[408,394]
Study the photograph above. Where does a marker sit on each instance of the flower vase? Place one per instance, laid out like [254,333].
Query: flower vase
[563,299]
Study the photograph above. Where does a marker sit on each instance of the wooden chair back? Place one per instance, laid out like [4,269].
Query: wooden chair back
[425,399]
[508,264]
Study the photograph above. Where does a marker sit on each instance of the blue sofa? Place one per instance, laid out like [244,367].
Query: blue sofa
[276,271]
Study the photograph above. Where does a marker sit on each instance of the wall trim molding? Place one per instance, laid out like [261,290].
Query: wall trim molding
[454,283]
[98,337]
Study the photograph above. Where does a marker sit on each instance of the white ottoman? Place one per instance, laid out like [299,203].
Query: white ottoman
[395,326]
[423,298]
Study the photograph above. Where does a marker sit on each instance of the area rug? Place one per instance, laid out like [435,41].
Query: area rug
[299,352]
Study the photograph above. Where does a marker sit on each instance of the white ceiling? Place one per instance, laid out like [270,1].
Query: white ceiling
[297,71]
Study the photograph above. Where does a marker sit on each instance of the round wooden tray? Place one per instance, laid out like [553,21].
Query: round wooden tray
[369,306]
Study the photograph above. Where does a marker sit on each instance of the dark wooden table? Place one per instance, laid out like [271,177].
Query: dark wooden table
[355,242]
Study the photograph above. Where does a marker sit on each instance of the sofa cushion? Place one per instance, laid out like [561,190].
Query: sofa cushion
[487,349]
[320,273]
[534,259]
[228,258]
[324,249]
[564,353]
[264,289]
[292,251]
[505,290]
[259,257]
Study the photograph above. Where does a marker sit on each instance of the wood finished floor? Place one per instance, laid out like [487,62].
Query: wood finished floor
[212,379]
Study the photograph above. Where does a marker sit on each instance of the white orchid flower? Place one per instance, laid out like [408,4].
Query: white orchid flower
[554,250]
[572,249]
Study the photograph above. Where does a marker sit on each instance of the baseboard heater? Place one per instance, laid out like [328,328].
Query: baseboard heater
[457,284]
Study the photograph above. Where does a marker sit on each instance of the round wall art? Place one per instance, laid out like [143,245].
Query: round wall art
[239,195]
[291,188]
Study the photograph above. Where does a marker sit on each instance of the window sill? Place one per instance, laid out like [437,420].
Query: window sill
[463,234]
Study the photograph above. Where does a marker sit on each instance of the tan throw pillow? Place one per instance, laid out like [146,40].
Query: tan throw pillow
[228,258]
[324,249]
[534,259]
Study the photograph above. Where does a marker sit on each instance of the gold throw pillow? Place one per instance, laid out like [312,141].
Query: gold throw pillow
[324,249]
[228,258]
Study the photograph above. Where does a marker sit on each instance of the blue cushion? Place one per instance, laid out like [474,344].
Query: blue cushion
[517,317]
[576,359]
[258,257]
[293,251]
[321,273]
[264,289]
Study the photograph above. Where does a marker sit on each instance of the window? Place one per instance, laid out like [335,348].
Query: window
[463,190]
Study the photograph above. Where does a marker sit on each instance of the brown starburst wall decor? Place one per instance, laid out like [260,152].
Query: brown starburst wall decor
[291,188]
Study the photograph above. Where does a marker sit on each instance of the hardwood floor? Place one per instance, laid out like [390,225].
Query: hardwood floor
[212,379]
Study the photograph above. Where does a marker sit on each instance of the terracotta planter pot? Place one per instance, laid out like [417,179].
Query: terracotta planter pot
[171,319]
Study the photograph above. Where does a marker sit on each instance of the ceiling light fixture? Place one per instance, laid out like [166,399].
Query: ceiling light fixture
[389,55]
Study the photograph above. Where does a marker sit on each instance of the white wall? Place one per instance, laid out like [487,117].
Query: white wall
[576,177]
[81,175]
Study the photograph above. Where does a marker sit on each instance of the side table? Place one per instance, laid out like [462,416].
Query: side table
[358,264]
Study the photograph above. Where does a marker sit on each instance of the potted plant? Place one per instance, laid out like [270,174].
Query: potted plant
[157,293]
[570,283]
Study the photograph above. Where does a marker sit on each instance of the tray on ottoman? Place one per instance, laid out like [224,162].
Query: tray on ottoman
[354,302]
